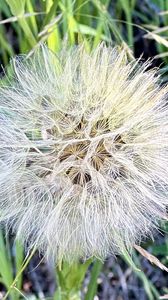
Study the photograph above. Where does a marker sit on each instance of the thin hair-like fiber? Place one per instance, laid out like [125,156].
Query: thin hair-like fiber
[83,151]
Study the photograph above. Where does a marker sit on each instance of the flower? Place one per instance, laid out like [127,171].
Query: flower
[83,151]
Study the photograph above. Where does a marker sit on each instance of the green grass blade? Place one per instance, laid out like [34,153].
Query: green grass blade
[101,24]
[86,30]
[51,13]
[17,7]
[32,19]
[6,268]
[128,6]
[24,265]
[27,31]
[19,257]
[109,21]
[5,45]
[5,263]
[150,289]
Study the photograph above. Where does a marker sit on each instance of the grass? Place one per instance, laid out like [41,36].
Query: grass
[141,25]
[10,264]
[32,22]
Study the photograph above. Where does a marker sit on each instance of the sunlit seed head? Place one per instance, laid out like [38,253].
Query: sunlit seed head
[83,151]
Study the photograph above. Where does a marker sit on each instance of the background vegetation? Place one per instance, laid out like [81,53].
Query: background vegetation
[140,25]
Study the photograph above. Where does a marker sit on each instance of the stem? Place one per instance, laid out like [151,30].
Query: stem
[92,287]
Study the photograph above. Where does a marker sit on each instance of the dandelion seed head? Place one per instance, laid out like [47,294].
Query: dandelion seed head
[83,151]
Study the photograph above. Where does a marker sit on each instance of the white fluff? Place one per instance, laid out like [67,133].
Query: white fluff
[83,151]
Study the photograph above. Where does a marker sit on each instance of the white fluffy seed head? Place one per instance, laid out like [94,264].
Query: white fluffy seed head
[83,151]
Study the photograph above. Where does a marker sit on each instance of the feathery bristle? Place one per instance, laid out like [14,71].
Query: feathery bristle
[83,151]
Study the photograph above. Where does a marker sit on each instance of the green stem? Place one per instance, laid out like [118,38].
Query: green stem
[92,287]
